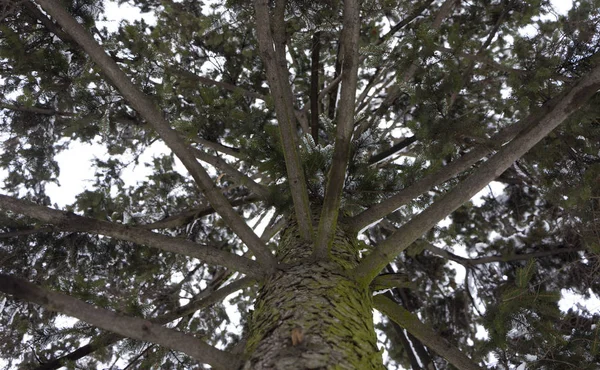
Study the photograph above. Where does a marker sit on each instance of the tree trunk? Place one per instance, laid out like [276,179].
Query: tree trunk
[311,315]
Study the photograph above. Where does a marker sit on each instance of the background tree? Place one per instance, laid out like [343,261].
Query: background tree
[351,129]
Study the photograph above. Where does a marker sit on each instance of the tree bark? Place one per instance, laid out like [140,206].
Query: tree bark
[312,315]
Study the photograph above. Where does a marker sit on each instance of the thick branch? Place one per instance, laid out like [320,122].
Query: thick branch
[314,86]
[72,222]
[424,333]
[277,76]
[130,327]
[404,196]
[344,128]
[147,109]
[550,116]
[206,298]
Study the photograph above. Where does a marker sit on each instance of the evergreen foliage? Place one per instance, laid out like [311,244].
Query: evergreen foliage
[447,76]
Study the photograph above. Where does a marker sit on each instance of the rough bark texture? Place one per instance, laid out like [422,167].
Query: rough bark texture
[312,315]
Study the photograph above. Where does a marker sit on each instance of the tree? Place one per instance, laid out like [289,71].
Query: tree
[350,129]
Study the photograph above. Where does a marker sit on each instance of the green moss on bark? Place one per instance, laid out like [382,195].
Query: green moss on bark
[317,302]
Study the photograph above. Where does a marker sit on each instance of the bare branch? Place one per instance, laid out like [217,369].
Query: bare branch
[362,100]
[332,85]
[548,117]
[424,333]
[72,222]
[130,327]
[101,341]
[277,76]
[344,128]
[152,115]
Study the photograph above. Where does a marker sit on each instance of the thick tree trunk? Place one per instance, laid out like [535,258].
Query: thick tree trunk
[312,315]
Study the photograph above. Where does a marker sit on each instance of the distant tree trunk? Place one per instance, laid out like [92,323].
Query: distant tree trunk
[311,315]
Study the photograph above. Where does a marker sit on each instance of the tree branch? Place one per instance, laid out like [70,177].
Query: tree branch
[130,327]
[206,298]
[314,86]
[344,128]
[326,90]
[16,233]
[404,196]
[234,152]
[470,262]
[408,348]
[207,81]
[278,79]
[393,150]
[549,117]
[337,76]
[72,222]
[37,110]
[398,26]
[146,108]
[444,11]
[240,178]
[423,332]
[186,217]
